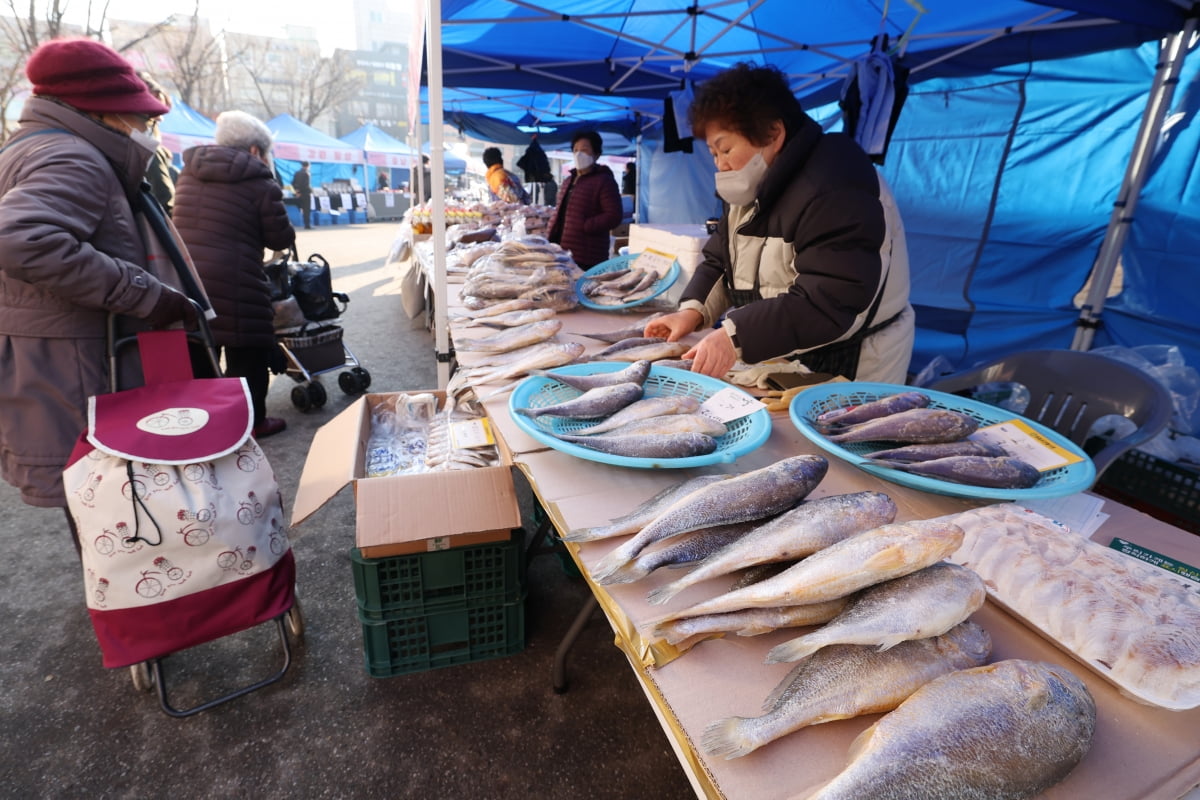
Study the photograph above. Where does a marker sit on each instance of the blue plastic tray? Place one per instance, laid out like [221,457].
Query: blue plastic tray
[812,402]
[744,434]
[622,262]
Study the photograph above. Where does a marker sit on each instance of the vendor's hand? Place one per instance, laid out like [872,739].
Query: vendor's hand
[675,326]
[714,356]
[171,307]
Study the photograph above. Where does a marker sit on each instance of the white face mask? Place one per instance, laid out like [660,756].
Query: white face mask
[739,187]
[583,160]
[143,139]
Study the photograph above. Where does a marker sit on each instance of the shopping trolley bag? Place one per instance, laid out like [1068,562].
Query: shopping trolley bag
[179,516]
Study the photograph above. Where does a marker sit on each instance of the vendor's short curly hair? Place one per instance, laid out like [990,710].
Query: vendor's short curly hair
[492,156]
[593,138]
[746,98]
[243,131]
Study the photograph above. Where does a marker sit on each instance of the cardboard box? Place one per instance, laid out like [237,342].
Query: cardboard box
[399,514]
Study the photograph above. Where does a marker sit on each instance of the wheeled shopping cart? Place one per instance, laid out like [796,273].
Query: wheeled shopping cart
[315,349]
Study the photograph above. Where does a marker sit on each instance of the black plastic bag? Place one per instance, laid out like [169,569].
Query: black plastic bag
[312,286]
[279,276]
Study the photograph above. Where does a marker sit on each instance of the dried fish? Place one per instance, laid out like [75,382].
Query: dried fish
[598,402]
[637,372]
[884,406]
[665,445]
[636,519]
[513,338]
[748,621]
[1004,472]
[916,426]
[644,409]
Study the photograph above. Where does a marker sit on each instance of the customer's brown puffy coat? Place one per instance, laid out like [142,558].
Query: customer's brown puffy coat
[592,209]
[70,252]
[228,207]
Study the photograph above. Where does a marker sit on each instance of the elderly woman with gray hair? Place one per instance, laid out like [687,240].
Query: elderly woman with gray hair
[228,209]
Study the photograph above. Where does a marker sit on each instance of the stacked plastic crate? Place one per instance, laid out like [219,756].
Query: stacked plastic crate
[438,609]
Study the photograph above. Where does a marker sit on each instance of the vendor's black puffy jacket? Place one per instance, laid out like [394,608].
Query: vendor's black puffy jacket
[228,208]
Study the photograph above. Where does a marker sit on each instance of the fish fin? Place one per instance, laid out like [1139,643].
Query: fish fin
[725,738]
[781,687]
[583,535]
[794,650]
[662,594]
[890,558]
[861,743]
[888,642]
[526,412]
[611,568]
[506,388]
[756,629]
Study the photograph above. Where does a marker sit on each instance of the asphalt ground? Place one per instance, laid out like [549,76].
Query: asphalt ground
[490,729]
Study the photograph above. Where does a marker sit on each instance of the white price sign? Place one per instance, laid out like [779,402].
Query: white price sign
[730,404]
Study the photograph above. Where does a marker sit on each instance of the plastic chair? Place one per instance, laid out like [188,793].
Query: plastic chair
[1069,390]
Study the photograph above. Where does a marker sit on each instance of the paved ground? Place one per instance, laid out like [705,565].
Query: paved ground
[493,729]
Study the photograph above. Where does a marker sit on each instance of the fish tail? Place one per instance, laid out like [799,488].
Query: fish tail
[663,593]
[793,650]
[527,412]
[626,572]
[724,738]
[584,535]
[610,568]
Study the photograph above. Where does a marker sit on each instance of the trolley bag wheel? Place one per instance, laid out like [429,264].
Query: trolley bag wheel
[364,377]
[354,381]
[300,398]
[143,676]
[317,395]
[294,619]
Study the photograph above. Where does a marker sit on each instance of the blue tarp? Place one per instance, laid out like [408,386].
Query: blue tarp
[383,152]
[184,127]
[330,159]
[1006,161]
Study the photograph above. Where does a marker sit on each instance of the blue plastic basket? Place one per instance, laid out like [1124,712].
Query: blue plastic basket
[623,262]
[812,402]
[743,436]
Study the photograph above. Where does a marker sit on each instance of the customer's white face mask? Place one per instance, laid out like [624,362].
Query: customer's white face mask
[739,187]
[583,160]
[143,139]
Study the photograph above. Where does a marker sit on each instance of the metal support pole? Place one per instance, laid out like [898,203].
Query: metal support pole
[1171,56]
[437,169]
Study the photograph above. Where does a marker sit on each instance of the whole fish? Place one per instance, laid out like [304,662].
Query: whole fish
[637,372]
[915,426]
[928,452]
[513,319]
[688,548]
[636,519]
[652,352]
[753,495]
[846,681]
[684,364]
[807,528]
[1004,472]
[925,603]
[673,423]
[662,445]
[884,406]
[625,344]
[759,573]
[611,275]
[559,298]
[637,329]
[495,309]
[513,338]
[644,409]
[748,621]
[959,735]
[540,356]
[598,402]
[862,560]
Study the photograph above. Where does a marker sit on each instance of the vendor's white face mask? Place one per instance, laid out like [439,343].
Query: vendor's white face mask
[583,160]
[739,187]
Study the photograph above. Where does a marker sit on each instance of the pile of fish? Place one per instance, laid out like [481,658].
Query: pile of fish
[528,269]
[935,439]
[620,286]
[623,421]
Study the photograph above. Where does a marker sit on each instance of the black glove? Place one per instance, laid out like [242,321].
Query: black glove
[172,306]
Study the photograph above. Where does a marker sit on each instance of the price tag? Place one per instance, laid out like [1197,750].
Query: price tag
[730,404]
[1157,559]
[346,201]
[653,260]
[360,200]
[389,200]
[471,433]
[1021,441]
[323,202]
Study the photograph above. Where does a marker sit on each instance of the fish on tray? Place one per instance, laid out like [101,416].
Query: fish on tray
[752,495]
[637,519]
[919,605]
[662,445]
[633,331]
[884,406]
[655,351]
[672,423]
[854,563]
[599,402]
[915,426]
[688,548]
[513,338]
[1003,472]
[637,372]
[513,319]
[539,356]
[645,408]
[845,681]
[928,452]
[625,344]
[957,736]
[811,526]
[747,621]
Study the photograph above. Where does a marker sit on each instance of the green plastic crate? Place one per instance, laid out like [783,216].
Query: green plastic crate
[1160,488]
[444,638]
[420,583]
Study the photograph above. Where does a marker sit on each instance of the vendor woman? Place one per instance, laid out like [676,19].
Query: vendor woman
[809,260]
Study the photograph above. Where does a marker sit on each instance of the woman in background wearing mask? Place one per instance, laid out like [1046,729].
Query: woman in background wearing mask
[809,259]
[589,204]
[71,253]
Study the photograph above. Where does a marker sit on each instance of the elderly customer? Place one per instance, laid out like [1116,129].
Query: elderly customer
[589,204]
[70,253]
[228,208]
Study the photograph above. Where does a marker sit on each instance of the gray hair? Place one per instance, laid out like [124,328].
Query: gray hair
[243,131]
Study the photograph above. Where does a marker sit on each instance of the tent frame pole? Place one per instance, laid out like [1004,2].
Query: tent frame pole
[1171,55]
[437,171]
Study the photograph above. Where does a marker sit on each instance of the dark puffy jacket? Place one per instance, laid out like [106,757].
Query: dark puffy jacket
[228,208]
[590,212]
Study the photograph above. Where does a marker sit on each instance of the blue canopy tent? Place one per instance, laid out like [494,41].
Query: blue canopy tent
[384,152]
[183,128]
[454,164]
[330,159]
[1022,118]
